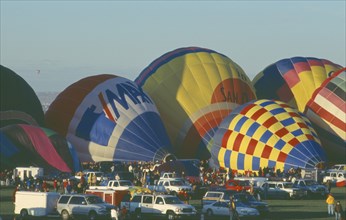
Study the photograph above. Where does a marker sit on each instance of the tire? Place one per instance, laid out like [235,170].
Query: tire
[138,214]
[92,215]
[209,213]
[65,215]
[24,214]
[170,215]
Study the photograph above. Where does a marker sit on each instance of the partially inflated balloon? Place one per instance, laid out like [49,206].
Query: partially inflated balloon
[194,89]
[327,111]
[28,145]
[19,103]
[266,133]
[107,118]
[293,80]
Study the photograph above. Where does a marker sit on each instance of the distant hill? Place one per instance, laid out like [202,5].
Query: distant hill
[46,98]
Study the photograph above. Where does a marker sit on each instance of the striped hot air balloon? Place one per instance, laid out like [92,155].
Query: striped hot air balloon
[293,80]
[29,145]
[107,117]
[327,111]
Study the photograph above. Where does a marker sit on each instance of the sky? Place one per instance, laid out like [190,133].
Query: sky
[52,44]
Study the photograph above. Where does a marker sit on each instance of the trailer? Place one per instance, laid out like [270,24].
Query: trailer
[35,203]
[113,197]
[23,172]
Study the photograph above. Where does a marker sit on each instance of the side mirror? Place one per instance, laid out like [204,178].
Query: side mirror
[83,203]
[161,203]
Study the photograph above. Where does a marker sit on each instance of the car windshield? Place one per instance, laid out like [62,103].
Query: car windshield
[240,204]
[94,200]
[310,182]
[245,197]
[177,183]
[125,183]
[173,200]
[244,183]
[288,185]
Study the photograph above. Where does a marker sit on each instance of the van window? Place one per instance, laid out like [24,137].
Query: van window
[158,200]
[148,199]
[77,200]
[136,199]
[272,185]
[64,199]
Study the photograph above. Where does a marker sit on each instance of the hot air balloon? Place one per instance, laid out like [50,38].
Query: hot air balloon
[266,133]
[107,117]
[327,111]
[194,89]
[19,103]
[293,80]
[29,145]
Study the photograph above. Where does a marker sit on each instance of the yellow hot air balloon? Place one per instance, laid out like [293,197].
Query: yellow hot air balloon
[194,89]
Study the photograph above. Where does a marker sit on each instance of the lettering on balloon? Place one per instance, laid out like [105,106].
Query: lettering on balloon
[233,90]
[129,90]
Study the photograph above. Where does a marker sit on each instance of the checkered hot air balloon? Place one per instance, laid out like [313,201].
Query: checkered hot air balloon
[266,133]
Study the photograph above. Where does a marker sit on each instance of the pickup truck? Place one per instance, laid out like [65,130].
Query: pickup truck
[312,187]
[280,189]
[168,206]
[115,185]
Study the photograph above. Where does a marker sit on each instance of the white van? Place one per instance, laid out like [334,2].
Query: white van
[35,203]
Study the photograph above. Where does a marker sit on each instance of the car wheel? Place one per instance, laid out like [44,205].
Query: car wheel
[170,215]
[65,215]
[24,213]
[92,215]
[138,214]
[209,213]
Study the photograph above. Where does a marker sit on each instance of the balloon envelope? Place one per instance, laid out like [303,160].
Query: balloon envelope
[107,118]
[29,145]
[327,111]
[293,80]
[194,89]
[266,133]
[19,102]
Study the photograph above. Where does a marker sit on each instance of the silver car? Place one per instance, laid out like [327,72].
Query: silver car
[89,206]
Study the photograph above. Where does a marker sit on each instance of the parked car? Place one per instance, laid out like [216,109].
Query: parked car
[337,167]
[251,201]
[334,176]
[312,187]
[219,195]
[163,206]
[238,185]
[85,205]
[279,189]
[221,208]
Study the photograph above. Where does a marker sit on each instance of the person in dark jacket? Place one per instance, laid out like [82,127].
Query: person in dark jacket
[338,211]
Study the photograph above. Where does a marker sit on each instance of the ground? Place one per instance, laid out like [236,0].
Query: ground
[312,209]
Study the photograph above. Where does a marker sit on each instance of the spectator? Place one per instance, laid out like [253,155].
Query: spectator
[330,202]
[55,185]
[339,213]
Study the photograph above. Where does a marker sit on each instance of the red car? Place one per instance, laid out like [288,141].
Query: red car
[238,185]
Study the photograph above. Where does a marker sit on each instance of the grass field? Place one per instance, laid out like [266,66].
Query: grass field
[312,209]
